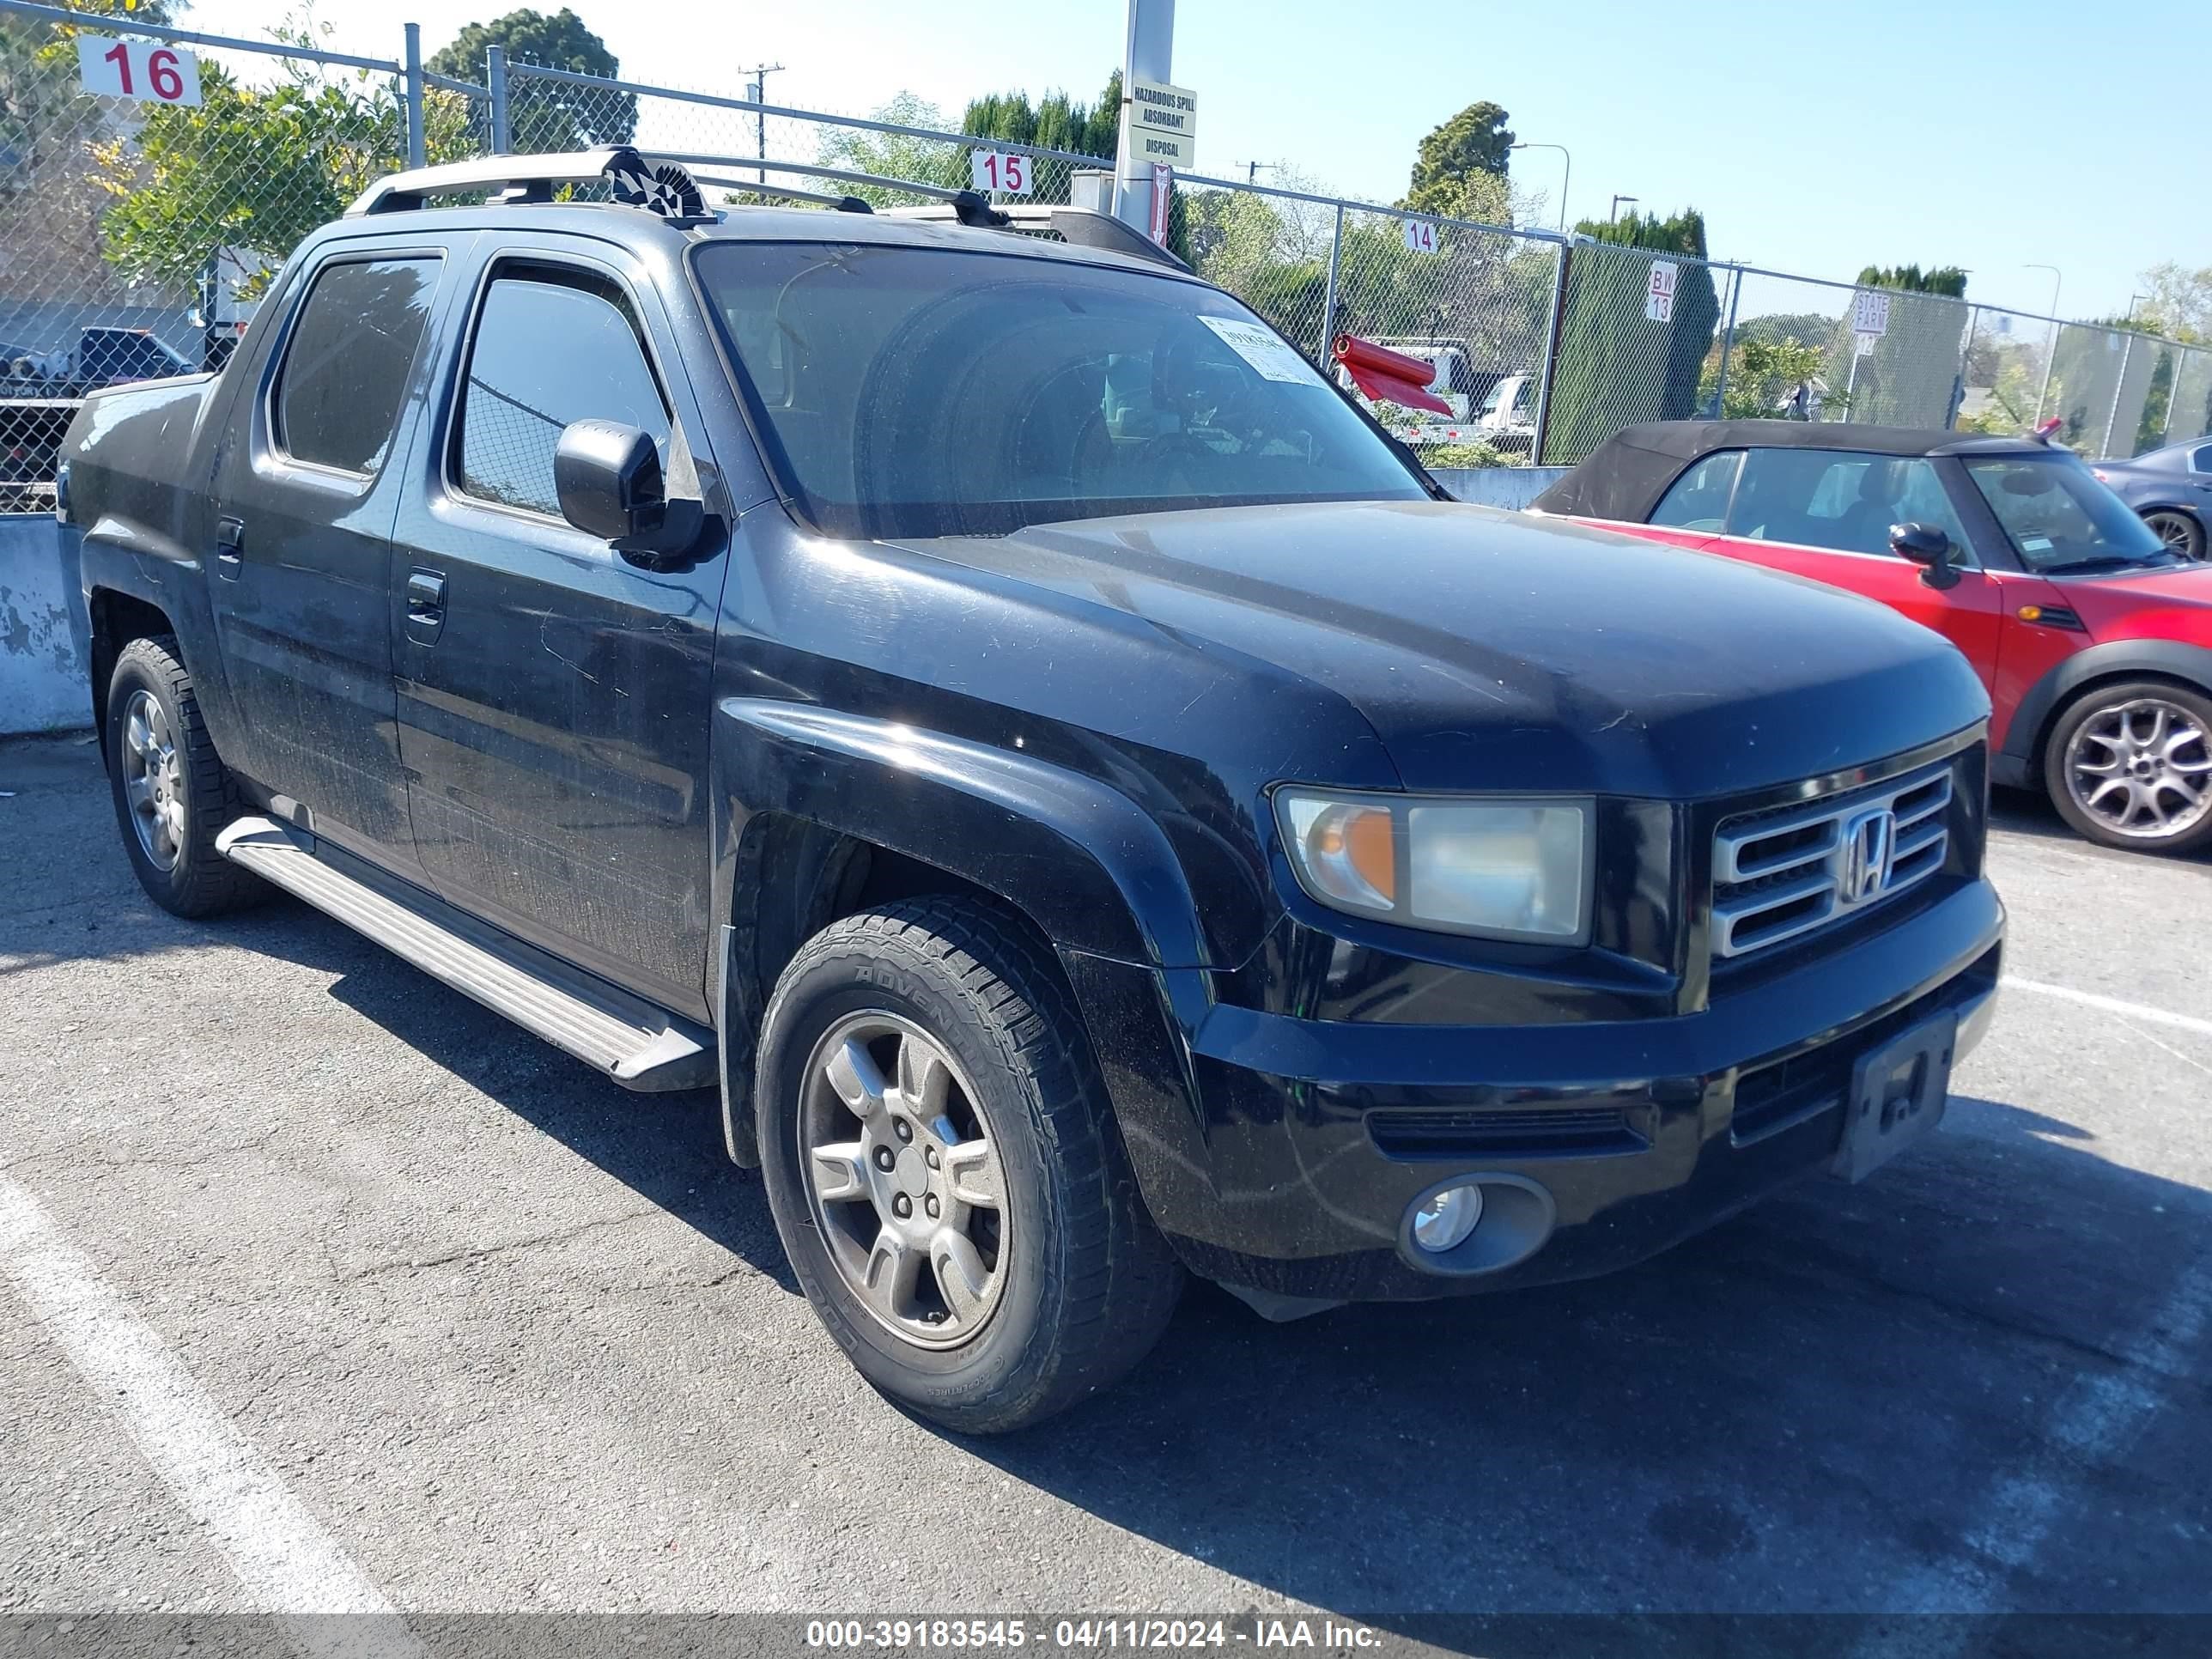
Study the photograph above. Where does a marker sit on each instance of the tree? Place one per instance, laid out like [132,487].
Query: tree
[1054,121]
[50,200]
[1761,375]
[896,155]
[1947,280]
[1910,374]
[541,114]
[1617,364]
[1474,143]
[2178,301]
[257,167]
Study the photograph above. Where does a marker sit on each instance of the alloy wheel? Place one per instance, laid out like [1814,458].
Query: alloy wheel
[153,780]
[2177,531]
[2142,769]
[904,1179]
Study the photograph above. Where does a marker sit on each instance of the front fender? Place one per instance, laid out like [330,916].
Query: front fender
[1084,861]
[2174,659]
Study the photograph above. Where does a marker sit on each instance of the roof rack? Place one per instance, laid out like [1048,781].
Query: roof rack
[660,184]
[663,184]
[1083,227]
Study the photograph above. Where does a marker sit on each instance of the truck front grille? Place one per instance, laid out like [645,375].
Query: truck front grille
[1780,874]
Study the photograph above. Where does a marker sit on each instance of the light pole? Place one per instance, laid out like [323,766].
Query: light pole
[2050,358]
[1566,172]
[1613,214]
[2056,279]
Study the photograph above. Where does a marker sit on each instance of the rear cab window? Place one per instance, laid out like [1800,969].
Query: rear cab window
[349,361]
[1843,501]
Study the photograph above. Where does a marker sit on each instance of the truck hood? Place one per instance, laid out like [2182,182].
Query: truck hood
[1492,650]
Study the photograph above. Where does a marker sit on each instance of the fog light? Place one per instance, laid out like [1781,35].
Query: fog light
[1444,1218]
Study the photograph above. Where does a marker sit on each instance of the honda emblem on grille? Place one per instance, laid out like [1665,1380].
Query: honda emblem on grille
[1870,843]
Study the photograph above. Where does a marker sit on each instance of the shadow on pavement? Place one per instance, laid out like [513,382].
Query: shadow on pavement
[1791,1413]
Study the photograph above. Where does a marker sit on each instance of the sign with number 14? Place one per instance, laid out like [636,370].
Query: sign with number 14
[137,68]
[988,169]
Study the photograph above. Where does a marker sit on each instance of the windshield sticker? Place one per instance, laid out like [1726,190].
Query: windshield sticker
[2035,544]
[1271,359]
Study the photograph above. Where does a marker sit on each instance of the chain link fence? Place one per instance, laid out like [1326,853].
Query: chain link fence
[137,235]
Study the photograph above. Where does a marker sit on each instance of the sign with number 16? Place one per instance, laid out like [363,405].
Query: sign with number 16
[137,68]
[988,169]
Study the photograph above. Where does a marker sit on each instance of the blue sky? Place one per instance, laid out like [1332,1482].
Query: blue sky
[1816,136]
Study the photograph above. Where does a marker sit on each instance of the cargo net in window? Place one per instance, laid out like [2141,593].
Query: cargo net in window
[506,451]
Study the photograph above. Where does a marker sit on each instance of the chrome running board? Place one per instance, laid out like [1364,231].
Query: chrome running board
[639,1044]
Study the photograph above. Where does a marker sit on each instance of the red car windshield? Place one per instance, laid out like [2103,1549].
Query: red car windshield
[2060,518]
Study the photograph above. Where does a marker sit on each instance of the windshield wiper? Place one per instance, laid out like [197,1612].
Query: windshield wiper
[2107,562]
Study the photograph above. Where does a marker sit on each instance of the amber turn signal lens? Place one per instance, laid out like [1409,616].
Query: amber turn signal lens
[2030,613]
[1360,837]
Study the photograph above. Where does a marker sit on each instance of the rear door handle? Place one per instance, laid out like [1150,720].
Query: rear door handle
[229,547]
[426,605]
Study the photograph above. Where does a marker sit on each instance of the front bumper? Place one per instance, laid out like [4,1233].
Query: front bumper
[1280,1155]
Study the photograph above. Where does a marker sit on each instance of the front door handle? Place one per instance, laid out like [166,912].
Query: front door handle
[229,547]
[426,605]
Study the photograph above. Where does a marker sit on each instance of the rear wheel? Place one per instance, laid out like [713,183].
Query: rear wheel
[2180,533]
[2130,765]
[173,793]
[944,1170]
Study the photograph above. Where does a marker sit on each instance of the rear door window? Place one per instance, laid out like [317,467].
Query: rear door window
[1698,500]
[552,347]
[350,360]
[1840,499]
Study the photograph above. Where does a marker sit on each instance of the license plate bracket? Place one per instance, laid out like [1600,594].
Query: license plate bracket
[1898,1095]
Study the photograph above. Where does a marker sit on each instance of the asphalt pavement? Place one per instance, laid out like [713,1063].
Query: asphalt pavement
[477,1330]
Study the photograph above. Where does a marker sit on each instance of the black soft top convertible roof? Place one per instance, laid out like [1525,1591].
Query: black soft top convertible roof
[1626,476]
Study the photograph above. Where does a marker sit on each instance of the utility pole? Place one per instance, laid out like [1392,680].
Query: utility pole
[757,92]
[1149,55]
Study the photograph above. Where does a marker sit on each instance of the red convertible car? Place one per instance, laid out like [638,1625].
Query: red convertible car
[2094,640]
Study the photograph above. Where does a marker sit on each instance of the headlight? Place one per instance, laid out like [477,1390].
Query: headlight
[1503,869]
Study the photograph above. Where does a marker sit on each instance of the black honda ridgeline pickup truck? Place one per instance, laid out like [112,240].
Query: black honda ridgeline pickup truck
[984,703]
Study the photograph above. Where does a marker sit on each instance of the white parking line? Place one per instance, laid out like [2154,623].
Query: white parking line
[288,1564]
[2111,1004]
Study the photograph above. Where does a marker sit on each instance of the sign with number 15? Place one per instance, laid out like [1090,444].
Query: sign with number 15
[137,68]
[988,169]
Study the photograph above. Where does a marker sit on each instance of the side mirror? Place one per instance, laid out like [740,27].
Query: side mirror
[1928,547]
[608,480]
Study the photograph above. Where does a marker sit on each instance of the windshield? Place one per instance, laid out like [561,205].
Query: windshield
[2059,517]
[920,391]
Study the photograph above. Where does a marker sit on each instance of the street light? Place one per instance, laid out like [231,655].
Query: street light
[2051,355]
[1615,214]
[1566,172]
[2055,279]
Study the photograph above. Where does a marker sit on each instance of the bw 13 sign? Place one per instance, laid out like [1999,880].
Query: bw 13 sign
[145,69]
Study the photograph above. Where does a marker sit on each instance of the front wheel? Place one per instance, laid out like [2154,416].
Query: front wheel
[2129,766]
[946,1173]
